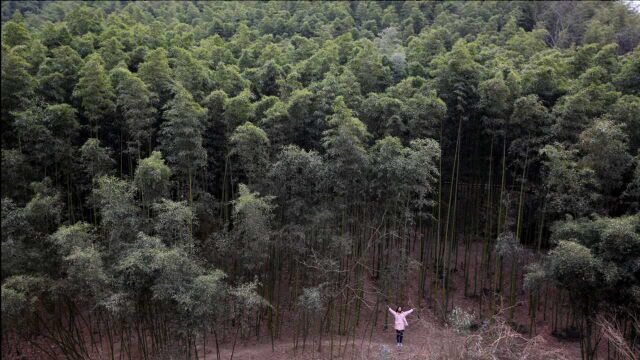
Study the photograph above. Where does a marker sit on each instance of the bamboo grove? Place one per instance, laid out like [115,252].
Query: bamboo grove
[181,175]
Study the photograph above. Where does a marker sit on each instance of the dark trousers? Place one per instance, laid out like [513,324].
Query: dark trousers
[399,334]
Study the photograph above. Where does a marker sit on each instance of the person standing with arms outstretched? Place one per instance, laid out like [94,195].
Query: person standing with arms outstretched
[400,323]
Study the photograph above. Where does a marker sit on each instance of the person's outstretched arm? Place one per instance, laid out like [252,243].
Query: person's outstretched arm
[391,310]
[408,312]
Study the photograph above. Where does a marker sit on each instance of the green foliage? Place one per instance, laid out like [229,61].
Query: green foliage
[157,74]
[595,260]
[354,125]
[228,79]
[58,74]
[17,83]
[529,125]
[175,271]
[508,246]
[576,112]
[20,299]
[456,77]
[495,101]
[85,278]
[252,216]
[111,51]
[424,113]
[311,300]
[95,92]
[621,241]
[152,178]
[304,126]
[181,133]
[247,298]
[632,192]
[368,68]
[250,148]
[623,112]
[15,34]
[605,147]
[85,44]
[388,157]
[423,48]
[423,172]
[118,212]
[43,211]
[54,35]
[574,267]
[136,104]
[546,76]
[173,222]
[571,188]
[238,110]
[628,79]
[14,171]
[97,160]
[61,120]
[344,142]
[298,179]
[69,238]
[268,78]
[191,73]
[35,125]
[134,270]
[207,291]
[15,231]
[461,321]
[83,19]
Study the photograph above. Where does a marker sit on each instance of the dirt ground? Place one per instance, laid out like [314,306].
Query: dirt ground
[425,337]
[423,340]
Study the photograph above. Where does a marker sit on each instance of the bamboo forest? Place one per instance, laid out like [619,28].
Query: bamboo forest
[302,180]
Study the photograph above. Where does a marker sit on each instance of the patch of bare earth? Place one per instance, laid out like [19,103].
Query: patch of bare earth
[423,340]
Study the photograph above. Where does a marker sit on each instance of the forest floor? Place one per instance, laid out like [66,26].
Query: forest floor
[423,340]
[425,337]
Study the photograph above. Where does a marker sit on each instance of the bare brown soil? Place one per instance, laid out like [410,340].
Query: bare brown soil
[423,340]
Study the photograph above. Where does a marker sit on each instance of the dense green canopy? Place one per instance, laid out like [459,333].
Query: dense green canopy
[162,160]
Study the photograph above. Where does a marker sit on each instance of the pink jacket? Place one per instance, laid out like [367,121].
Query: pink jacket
[400,318]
